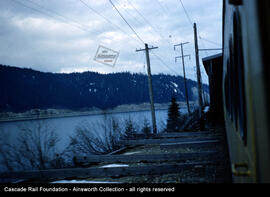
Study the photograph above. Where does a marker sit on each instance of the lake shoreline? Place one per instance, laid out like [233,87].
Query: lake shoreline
[37,114]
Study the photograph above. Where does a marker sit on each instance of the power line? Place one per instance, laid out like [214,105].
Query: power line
[105,18]
[162,7]
[123,5]
[190,21]
[149,23]
[163,63]
[166,7]
[153,28]
[138,35]
[165,10]
[187,15]
[72,22]
[158,58]
[142,16]
[126,21]
[204,47]
[215,43]
[66,20]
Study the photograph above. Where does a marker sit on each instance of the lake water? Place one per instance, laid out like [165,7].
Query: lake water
[65,127]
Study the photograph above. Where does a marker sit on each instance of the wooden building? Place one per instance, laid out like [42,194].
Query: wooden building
[213,67]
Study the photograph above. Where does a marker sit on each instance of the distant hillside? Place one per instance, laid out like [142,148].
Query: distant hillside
[23,89]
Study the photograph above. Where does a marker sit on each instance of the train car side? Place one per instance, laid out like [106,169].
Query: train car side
[245,88]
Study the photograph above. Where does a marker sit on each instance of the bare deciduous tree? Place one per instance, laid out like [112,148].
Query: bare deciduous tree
[33,149]
[98,138]
[5,162]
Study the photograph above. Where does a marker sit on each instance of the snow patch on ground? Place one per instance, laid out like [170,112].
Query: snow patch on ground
[206,109]
[132,153]
[114,166]
[81,181]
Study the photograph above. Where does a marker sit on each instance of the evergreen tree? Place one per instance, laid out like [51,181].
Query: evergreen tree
[173,116]
[130,129]
[146,127]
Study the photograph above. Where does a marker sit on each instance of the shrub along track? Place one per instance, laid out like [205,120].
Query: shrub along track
[190,164]
[187,157]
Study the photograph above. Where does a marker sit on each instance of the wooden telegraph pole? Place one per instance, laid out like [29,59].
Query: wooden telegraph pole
[150,85]
[183,62]
[198,70]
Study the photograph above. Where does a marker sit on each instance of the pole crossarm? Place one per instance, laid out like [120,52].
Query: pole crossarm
[182,57]
[210,49]
[138,50]
[181,44]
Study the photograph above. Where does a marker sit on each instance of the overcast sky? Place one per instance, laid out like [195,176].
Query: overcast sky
[64,35]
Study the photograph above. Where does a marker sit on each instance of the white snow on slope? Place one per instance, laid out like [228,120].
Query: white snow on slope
[175,85]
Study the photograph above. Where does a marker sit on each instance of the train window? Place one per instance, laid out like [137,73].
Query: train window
[230,80]
[226,86]
[234,80]
[240,102]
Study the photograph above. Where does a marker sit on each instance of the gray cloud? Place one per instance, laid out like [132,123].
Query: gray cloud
[63,35]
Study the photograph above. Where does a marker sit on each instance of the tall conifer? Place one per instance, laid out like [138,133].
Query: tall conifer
[173,116]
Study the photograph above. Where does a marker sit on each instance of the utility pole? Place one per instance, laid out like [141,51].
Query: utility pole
[198,70]
[183,62]
[150,85]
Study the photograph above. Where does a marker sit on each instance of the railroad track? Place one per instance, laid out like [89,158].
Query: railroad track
[185,156]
